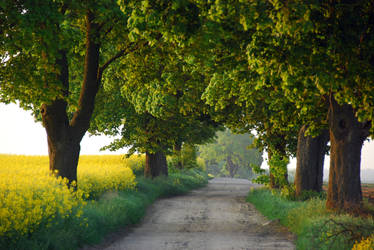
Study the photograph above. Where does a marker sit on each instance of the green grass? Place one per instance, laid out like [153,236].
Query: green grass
[111,212]
[315,227]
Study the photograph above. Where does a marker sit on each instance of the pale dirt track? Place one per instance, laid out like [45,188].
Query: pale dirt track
[215,217]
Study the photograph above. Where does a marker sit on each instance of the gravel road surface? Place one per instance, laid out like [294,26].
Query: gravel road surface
[214,217]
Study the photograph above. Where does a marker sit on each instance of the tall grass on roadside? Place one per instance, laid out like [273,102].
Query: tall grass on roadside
[315,227]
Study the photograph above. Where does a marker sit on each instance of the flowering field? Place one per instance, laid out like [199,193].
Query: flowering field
[31,197]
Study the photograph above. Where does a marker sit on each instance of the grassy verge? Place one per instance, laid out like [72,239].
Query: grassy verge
[315,227]
[106,214]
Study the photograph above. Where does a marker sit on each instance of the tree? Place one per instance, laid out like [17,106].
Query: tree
[145,133]
[243,98]
[154,105]
[54,57]
[325,56]
[159,80]
[310,157]
[321,54]
[142,132]
[233,151]
[246,83]
[269,57]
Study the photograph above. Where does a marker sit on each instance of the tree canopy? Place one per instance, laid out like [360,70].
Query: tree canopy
[163,73]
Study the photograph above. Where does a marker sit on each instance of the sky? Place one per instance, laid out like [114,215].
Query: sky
[20,134]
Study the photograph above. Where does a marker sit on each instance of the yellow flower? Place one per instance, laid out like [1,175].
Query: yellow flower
[365,244]
[29,194]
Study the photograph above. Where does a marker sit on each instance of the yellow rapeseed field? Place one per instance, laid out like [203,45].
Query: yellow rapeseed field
[364,244]
[30,196]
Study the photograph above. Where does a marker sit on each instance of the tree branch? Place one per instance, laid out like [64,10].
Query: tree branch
[118,55]
[112,59]
[108,31]
[90,86]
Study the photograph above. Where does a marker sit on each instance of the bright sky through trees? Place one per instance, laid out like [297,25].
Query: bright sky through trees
[19,134]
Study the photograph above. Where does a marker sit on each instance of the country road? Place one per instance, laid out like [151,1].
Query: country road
[214,217]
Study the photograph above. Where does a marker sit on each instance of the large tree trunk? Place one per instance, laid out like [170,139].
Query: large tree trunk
[155,165]
[63,158]
[310,157]
[63,148]
[347,136]
[64,136]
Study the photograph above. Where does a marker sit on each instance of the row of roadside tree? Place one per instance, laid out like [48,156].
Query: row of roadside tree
[161,74]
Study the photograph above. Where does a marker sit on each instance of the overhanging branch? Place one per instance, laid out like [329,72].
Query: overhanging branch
[119,54]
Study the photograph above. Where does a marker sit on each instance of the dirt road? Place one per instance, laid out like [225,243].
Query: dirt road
[215,217]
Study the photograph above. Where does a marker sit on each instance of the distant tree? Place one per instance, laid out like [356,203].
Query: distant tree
[233,151]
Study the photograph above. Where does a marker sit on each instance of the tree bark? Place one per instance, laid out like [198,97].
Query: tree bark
[63,147]
[155,165]
[347,136]
[310,158]
[64,137]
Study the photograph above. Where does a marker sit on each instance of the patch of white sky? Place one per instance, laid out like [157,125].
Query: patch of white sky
[20,134]
[367,158]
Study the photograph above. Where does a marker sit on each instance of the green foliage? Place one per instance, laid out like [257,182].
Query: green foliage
[201,163]
[304,45]
[171,21]
[278,168]
[315,227]
[288,191]
[187,157]
[35,36]
[262,175]
[310,194]
[154,101]
[243,96]
[108,214]
[340,232]
[272,206]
